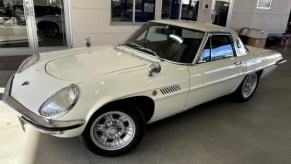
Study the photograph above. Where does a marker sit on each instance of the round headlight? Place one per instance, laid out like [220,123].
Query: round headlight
[28,62]
[60,103]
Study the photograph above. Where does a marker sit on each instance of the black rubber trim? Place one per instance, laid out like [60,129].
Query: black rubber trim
[51,129]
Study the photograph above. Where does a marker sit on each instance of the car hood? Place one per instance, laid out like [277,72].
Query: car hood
[93,63]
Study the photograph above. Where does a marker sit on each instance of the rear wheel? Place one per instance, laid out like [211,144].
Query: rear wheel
[50,30]
[114,131]
[247,88]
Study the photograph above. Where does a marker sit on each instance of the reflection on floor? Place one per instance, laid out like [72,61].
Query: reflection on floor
[221,131]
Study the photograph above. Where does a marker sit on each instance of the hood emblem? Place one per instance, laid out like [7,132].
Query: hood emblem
[25,83]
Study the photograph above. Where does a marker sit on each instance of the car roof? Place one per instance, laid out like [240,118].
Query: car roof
[207,27]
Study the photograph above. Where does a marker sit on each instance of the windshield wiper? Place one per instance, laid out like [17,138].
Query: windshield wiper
[145,49]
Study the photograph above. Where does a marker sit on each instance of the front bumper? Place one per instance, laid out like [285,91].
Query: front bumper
[281,61]
[43,124]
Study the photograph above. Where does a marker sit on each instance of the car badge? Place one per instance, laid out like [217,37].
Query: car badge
[25,83]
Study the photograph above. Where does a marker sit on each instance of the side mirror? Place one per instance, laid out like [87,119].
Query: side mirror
[154,68]
[87,41]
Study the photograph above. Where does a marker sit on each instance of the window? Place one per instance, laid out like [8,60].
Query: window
[264,4]
[205,55]
[172,43]
[217,47]
[180,9]
[132,10]
[190,34]
[154,34]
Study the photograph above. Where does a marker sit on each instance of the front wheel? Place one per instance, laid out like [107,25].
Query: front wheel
[247,88]
[114,131]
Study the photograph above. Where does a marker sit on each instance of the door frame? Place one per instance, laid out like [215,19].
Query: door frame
[229,13]
[29,13]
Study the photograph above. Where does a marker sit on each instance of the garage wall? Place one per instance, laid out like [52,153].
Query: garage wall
[92,18]
[274,20]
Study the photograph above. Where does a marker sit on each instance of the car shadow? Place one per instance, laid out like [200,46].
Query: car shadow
[159,142]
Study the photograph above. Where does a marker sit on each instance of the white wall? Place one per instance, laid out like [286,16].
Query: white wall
[92,18]
[274,20]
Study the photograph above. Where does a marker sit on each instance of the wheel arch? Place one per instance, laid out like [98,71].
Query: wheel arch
[259,73]
[144,103]
[42,24]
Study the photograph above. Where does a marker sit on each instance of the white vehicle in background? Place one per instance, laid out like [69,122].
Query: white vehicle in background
[50,25]
[13,29]
[11,32]
[107,94]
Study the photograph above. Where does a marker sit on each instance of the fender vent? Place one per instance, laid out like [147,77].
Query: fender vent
[170,89]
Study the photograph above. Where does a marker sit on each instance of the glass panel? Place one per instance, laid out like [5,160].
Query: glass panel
[154,34]
[221,8]
[170,9]
[121,10]
[205,55]
[221,47]
[50,22]
[157,39]
[144,10]
[13,31]
[189,10]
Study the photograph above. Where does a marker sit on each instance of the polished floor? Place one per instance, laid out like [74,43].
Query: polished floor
[222,131]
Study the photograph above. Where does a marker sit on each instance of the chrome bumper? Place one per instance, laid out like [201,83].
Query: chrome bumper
[34,119]
[281,61]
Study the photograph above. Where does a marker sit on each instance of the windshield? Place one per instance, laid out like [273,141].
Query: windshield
[167,42]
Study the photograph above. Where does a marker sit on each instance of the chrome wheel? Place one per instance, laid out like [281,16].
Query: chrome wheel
[249,85]
[112,130]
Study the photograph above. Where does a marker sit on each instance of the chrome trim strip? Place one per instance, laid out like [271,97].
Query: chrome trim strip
[32,118]
[281,61]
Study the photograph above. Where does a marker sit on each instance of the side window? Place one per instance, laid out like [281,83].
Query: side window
[221,47]
[205,55]
[217,47]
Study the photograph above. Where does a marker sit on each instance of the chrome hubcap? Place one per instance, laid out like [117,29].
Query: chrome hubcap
[249,85]
[112,130]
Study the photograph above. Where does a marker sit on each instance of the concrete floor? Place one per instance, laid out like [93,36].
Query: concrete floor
[222,131]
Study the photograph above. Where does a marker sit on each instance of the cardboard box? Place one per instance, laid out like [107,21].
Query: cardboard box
[257,42]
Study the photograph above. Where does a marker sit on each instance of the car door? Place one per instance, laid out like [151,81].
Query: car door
[217,71]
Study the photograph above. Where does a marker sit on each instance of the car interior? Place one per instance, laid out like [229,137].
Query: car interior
[157,38]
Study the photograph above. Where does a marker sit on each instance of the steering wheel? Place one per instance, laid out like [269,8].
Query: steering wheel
[149,44]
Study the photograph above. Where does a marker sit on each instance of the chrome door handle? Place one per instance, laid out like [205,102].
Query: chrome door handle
[237,63]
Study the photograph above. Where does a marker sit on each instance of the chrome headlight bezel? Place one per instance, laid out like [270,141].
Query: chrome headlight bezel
[30,61]
[53,98]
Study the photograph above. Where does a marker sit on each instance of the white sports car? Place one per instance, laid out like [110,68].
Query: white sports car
[107,94]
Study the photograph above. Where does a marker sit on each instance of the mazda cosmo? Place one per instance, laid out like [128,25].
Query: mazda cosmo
[107,94]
